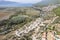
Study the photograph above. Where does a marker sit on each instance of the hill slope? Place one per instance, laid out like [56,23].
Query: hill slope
[47,2]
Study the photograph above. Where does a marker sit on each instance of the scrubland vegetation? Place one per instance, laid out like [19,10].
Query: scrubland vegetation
[20,17]
[57,21]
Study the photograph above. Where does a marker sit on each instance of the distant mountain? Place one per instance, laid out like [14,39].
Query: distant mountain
[47,2]
[12,4]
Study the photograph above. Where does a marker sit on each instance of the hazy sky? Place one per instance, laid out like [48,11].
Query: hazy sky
[23,1]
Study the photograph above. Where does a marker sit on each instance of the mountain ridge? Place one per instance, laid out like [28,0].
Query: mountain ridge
[13,4]
[47,2]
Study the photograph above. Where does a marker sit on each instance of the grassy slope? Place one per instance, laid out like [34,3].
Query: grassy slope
[57,11]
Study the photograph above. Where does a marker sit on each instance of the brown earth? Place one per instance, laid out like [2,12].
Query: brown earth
[4,15]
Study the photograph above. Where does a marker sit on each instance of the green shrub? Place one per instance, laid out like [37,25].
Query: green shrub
[17,19]
[4,22]
[58,33]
